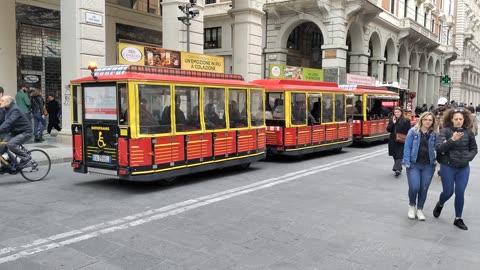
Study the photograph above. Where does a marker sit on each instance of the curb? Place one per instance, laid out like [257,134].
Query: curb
[61,160]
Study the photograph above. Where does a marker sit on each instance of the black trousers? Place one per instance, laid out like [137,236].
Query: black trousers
[397,165]
[52,123]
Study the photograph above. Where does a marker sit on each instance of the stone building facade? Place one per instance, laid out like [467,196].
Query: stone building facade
[419,41]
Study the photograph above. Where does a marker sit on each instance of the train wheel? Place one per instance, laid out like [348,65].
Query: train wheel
[168,181]
[337,150]
[243,166]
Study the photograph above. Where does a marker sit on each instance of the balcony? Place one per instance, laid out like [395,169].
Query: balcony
[428,5]
[414,29]
[419,2]
[441,16]
[436,11]
[449,22]
[217,9]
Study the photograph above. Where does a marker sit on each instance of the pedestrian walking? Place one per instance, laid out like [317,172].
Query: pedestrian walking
[53,109]
[419,159]
[23,102]
[38,112]
[456,147]
[398,127]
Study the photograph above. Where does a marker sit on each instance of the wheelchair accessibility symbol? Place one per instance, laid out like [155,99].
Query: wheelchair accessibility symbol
[101,143]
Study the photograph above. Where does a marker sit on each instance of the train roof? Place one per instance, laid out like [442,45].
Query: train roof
[292,85]
[369,90]
[148,73]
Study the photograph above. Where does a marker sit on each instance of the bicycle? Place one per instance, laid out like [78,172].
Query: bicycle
[38,170]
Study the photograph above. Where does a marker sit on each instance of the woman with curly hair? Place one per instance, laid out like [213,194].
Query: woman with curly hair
[456,147]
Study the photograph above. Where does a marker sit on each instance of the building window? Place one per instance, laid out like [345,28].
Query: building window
[392,6]
[210,2]
[405,10]
[433,25]
[212,38]
[416,13]
[425,20]
[147,6]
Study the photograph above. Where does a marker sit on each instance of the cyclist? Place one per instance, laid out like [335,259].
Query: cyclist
[18,130]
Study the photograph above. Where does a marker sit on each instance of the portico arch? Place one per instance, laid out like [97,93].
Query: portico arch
[357,58]
[375,64]
[295,21]
[391,65]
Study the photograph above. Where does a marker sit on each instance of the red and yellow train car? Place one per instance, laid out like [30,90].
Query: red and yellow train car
[304,117]
[370,109]
[143,123]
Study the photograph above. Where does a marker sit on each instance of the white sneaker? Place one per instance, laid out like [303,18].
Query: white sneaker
[420,215]
[411,212]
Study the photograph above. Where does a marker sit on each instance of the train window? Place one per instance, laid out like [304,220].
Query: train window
[299,109]
[123,104]
[237,107]
[214,107]
[256,108]
[186,108]
[76,104]
[314,101]
[278,110]
[327,108]
[339,107]
[154,108]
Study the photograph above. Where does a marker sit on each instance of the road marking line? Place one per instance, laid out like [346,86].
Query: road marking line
[166,211]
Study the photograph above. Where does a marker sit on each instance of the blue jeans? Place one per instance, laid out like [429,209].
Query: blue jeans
[37,118]
[419,178]
[454,179]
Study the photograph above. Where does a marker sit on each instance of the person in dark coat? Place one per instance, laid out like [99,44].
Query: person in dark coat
[456,148]
[53,108]
[397,124]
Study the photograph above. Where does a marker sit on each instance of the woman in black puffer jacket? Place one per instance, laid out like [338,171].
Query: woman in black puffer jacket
[456,147]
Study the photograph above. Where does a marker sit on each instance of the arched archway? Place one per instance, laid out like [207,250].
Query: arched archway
[356,57]
[390,67]
[304,45]
[375,54]
[404,66]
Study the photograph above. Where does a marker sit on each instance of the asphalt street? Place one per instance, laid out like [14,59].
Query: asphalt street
[327,211]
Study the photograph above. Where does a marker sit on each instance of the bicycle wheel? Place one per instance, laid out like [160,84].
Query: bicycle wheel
[40,168]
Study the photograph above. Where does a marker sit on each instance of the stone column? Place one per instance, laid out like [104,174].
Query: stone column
[391,68]
[404,72]
[8,48]
[359,63]
[436,89]
[377,68]
[422,85]
[175,32]
[413,84]
[83,41]
[247,39]
[430,88]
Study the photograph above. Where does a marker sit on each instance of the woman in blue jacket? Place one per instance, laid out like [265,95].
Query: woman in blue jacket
[419,159]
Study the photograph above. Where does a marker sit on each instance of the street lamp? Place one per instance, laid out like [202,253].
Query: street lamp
[190,13]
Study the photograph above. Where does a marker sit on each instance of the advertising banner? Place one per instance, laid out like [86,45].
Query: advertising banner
[295,73]
[360,80]
[133,54]
[202,62]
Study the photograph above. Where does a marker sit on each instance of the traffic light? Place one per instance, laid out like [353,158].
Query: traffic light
[446,79]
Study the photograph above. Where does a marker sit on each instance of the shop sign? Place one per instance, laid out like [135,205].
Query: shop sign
[130,54]
[360,80]
[295,73]
[403,83]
